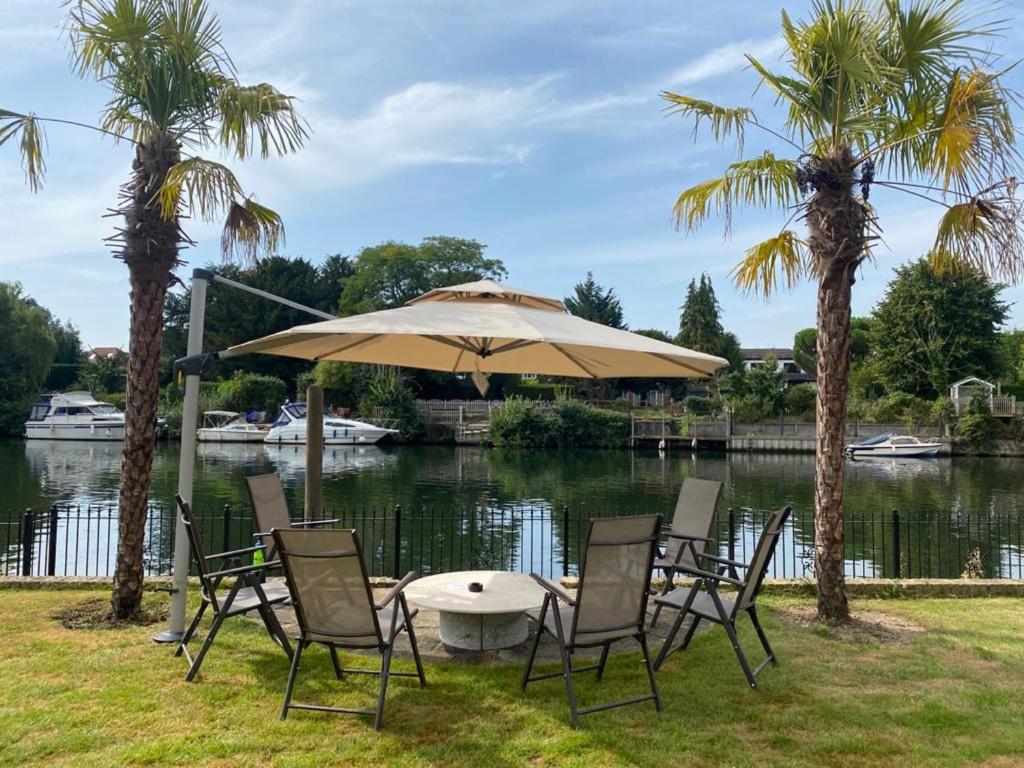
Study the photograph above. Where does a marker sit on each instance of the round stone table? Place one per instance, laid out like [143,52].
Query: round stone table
[479,621]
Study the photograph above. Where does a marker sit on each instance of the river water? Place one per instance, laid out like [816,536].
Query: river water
[939,500]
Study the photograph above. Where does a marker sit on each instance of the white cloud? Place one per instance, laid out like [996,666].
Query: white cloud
[723,60]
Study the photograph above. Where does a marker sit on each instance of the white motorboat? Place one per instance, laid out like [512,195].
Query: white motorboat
[290,429]
[229,427]
[892,446]
[76,416]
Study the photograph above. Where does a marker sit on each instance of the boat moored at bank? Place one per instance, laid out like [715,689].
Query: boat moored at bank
[892,446]
[76,416]
[229,427]
[290,429]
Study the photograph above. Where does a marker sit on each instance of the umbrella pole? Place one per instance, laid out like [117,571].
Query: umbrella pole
[186,465]
[314,452]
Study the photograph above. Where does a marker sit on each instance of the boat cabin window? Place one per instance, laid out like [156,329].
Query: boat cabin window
[103,409]
[39,411]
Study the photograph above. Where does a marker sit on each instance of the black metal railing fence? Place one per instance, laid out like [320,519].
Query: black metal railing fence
[73,540]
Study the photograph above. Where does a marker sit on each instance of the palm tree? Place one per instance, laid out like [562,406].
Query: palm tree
[173,93]
[907,91]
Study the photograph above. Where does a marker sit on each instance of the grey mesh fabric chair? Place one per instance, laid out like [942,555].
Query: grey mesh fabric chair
[335,608]
[702,601]
[270,510]
[691,530]
[246,592]
[610,604]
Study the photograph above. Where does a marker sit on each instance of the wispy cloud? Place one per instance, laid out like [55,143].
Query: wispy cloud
[723,60]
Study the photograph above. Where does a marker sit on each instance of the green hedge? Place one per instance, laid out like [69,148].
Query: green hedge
[519,423]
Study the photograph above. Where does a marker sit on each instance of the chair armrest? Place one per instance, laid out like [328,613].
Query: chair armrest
[701,574]
[396,590]
[688,537]
[313,523]
[554,589]
[723,560]
[235,553]
[242,569]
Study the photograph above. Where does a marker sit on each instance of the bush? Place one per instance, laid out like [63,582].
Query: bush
[801,400]
[900,407]
[976,426]
[251,390]
[578,425]
[519,423]
[388,392]
[699,405]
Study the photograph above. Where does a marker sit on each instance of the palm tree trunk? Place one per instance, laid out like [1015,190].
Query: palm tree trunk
[837,223]
[150,249]
[834,289]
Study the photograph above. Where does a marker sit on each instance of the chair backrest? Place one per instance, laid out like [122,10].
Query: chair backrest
[615,575]
[269,508]
[762,557]
[694,516]
[195,541]
[328,583]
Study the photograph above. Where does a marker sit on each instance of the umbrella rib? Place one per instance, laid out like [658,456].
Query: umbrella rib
[575,362]
[684,366]
[513,345]
[465,346]
[348,346]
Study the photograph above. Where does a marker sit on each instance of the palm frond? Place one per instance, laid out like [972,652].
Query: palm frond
[102,31]
[31,143]
[259,115]
[764,181]
[250,231]
[208,188]
[723,121]
[986,233]
[779,262]
[973,140]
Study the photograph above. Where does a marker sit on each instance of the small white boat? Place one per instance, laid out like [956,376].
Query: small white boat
[76,416]
[290,429]
[892,446]
[229,427]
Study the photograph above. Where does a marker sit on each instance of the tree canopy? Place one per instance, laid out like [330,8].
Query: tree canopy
[592,302]
[932,329]
[390,274]
[700,324]
[27,348]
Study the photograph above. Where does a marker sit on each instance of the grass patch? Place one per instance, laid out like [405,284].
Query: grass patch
[945,695]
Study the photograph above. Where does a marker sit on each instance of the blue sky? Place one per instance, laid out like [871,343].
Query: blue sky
[531,126]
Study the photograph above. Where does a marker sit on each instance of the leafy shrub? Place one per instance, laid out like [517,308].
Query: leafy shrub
[578,425]
[976,426]
[388,392]
[252,390]
[699,405]
[801,400]
[519,423]
[900,407]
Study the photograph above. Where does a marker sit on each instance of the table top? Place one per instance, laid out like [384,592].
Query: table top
[503,592]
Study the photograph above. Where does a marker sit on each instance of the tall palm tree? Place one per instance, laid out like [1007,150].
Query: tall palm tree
[902,95]
[173,93]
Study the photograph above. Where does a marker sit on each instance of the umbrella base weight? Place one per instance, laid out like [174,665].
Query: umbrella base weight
[483,632]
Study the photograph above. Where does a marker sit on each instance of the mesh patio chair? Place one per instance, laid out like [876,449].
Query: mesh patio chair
[691,530]
[703,602]
[270,510]
[610,604]
[247,593]
[335,608]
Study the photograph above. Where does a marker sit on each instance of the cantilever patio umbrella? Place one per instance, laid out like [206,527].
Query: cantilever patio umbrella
[487,327]
[477,328]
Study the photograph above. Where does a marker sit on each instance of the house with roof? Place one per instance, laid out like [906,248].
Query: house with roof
[756,356]
[106,353]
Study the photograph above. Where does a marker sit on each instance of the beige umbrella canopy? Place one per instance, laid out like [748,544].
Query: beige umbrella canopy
[489,327]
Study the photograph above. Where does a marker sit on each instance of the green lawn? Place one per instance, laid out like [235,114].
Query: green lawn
[950,695]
